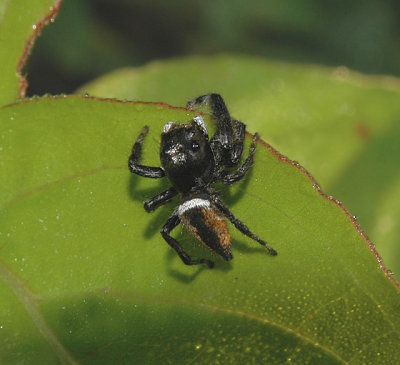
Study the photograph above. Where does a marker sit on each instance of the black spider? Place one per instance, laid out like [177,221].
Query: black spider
[192,163]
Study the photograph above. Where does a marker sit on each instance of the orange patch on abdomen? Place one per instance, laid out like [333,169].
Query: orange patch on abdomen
[214,220]
[208,225]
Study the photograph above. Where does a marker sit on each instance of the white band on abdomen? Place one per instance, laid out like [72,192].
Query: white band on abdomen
[194,203]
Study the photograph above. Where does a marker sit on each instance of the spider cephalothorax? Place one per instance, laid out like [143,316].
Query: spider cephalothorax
[186,155]
[193,162]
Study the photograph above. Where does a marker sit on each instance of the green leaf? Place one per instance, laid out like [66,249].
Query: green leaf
[342,126]
[20,23]
[87,277]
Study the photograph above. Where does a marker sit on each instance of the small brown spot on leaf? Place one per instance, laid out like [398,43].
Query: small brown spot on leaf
[363,131]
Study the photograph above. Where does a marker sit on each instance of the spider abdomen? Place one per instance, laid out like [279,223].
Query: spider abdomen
[207,224]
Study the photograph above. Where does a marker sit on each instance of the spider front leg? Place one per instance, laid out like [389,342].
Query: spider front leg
[230,178]
[239,130]
[172,222]
[228,140]
[240,225]
[135,157]
[219,112]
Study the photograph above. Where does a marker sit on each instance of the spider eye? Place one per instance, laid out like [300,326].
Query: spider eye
[195,145]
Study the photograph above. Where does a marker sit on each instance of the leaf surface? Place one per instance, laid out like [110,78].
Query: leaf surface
[86,276]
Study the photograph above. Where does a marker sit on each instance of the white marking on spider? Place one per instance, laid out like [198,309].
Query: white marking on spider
[176,153]
[193,203]
[198,119]
[167,127]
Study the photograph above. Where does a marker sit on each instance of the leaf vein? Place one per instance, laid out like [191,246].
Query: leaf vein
[28,301]
[24,194]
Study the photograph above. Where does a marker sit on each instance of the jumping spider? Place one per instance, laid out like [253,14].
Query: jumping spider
[192,164]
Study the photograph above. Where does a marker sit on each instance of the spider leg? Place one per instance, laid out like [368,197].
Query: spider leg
[230,178]
[171,223]
[135,157]
[240,225]
[220,113]
[228,140]
[238,142]
[159,199]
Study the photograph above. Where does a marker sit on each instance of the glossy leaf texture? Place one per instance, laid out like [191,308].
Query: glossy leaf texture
[20,23]
[87,278]
[342,126]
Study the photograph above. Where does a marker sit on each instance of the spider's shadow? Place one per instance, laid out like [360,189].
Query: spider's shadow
[157,218]
[186,276]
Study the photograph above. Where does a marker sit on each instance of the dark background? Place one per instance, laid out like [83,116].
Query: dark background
[92,37]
